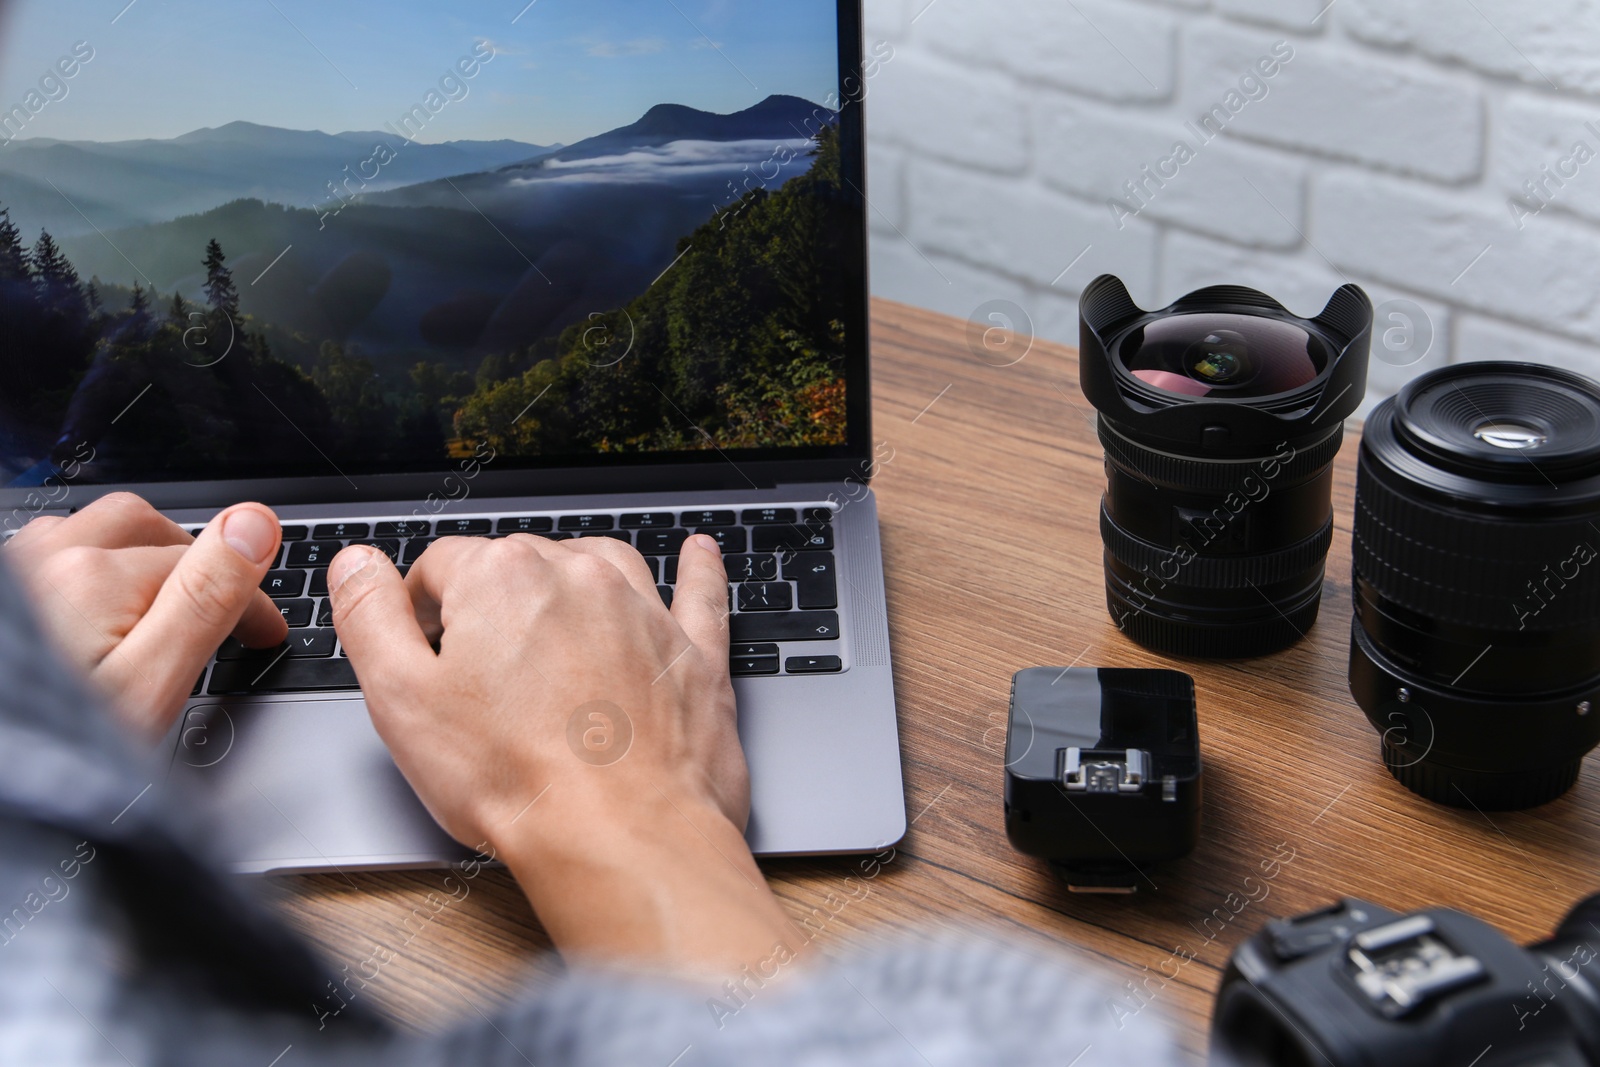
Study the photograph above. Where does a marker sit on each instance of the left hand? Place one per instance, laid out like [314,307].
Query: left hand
[139,606]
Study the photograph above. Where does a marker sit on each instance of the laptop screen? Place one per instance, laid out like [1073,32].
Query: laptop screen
[289,238]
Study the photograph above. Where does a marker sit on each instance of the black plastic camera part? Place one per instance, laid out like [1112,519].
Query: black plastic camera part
[1241,413]
[1355,985]
[1220,416]
[1475,645]
[1103,772]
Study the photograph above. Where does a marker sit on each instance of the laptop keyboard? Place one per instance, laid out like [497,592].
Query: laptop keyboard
[783,589]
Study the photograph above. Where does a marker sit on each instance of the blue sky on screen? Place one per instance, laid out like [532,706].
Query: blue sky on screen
[564,70]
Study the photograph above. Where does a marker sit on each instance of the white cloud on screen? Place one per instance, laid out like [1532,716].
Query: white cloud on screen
[674,160]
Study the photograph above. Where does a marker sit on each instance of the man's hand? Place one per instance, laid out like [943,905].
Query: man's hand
[576,726]
[139,605]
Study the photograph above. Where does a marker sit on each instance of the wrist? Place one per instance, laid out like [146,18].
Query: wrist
[662,877]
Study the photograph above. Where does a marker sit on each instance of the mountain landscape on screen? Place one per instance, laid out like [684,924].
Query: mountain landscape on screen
[670,284]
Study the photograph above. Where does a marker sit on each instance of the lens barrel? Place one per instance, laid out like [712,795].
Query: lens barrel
[1475,647]
[1220,417]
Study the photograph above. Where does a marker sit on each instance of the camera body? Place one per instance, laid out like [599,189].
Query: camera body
[1103,771]
[1358,984]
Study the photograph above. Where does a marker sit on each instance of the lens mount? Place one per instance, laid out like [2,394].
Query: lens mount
[1469,750]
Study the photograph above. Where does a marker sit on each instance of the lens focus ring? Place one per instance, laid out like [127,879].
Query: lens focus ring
[1205,476]
[1215,572]
[1473,570]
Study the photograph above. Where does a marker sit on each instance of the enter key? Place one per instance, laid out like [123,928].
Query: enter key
[815,585]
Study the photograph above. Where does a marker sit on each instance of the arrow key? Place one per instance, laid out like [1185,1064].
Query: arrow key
[813,665]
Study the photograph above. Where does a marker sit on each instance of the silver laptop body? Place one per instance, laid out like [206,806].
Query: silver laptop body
[301,782]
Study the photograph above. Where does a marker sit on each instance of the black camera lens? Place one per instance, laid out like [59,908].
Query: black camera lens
[1220,416]
[1475,649]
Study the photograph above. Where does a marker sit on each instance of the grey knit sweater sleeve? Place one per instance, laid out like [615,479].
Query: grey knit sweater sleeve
[121,945]
[955,1002]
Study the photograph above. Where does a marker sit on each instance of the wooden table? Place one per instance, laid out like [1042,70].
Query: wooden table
[989,513]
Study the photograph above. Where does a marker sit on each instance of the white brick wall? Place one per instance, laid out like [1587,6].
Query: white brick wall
[1446,156]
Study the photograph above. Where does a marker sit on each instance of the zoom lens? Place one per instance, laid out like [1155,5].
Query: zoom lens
[1220,416]
[1476,642]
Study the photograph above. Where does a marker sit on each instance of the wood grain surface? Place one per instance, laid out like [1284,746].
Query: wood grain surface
[989,515]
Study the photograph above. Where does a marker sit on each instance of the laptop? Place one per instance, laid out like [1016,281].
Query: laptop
[405,271]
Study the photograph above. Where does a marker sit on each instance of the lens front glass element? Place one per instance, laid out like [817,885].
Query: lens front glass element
[1509,435]
[1504,421]
[1224,356]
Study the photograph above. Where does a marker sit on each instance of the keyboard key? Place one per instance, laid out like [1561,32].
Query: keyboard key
[286,676]
[616,535]
[755,516]
[463,527]
[816,516]
[198,682]
[746,651]
[731,538]
[302,644]
[387,546]
[319,583]
[813,574]
[296,612]
[558,536]
[791,538]
[295,533]
[708,518]
[661,542]
[642,520]
[325,613]
[231,649]
[748,568]
[284,585]
[526,524]
[741,666]
[586,522]
[339,531]
[404,528]
[669,573]
[766,596]
[666,594]
[416,547]
[655,571]
[315,553]
[785,626]
[813,665]
[311,644]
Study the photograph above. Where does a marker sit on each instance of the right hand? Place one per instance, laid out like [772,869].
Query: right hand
[532,635]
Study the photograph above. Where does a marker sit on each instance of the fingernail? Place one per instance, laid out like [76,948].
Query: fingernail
[251,534]
[347,563]
[708,543]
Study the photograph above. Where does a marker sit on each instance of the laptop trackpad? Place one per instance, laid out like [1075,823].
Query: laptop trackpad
[303,785]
